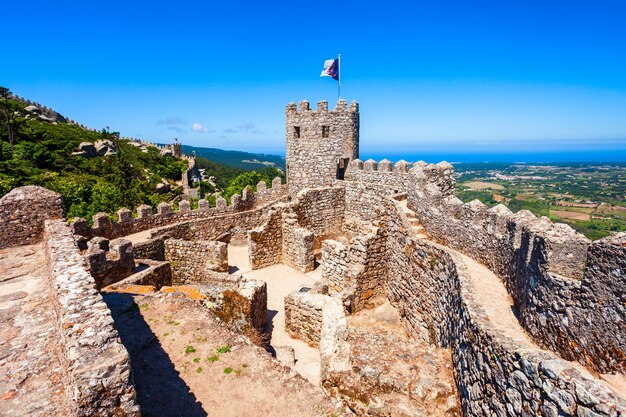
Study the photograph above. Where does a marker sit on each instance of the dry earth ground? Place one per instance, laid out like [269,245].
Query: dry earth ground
[186,363]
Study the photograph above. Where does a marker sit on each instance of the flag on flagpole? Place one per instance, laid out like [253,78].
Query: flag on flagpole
[331,69]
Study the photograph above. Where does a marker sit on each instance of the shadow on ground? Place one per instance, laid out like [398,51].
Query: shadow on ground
[269,328]
[160,390]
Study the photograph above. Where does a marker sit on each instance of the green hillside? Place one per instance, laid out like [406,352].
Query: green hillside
[38,149]
[40,153]
[243,160]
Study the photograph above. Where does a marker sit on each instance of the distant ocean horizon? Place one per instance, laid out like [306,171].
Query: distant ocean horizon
[609,156]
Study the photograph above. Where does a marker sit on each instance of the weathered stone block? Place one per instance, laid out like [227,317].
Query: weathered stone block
[184,207]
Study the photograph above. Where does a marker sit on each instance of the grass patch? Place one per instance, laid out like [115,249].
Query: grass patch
[199,369]
[213,358]
[223,349]
[196,360]
[228,370]
[190,349]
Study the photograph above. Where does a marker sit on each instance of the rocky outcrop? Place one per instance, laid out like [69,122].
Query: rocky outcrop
[45,114]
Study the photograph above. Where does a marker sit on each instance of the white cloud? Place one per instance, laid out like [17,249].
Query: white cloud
[172,121]
[197,127]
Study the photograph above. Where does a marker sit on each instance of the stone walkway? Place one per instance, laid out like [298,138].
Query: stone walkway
[281,280]
[495,300]
[31,375]
[140,237]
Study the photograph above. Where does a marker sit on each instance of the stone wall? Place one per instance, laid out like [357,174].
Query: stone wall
[297,245]
[321,211]
[153,273]
[495,375]
[555,276]
[23,212]
[236,224]
[240,303]
[240,307]
[150,249]
[313,161]
[146,220]
[184,230]
[358,271]
[265,242]
[303,315]
[364,202]
[394,178]
[195,261]
[334,264]
[99,379]
[111,261]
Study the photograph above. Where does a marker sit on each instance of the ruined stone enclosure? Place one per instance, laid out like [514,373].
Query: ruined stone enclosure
[357,287]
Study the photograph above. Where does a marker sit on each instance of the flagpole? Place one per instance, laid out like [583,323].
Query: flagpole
[339,77]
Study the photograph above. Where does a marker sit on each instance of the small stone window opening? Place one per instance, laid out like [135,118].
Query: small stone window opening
[296,132]
[325,131]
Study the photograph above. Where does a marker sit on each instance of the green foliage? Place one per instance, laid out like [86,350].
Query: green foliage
[223,349]
[468,195]
[42,155]
[248,179]
[190,349]
[228,370]
[223,174]
[538,208]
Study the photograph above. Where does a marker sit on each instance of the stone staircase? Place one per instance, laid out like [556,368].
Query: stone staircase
[418,228]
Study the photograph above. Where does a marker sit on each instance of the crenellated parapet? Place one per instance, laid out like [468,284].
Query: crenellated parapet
[550,270]
[392,178]
[166,214]
[109,261]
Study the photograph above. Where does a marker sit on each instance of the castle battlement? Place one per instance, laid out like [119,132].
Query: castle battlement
[167,213]
[503,299]
[322,107]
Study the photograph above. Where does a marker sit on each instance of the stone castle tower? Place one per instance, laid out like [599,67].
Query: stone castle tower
[320,143]
[177,148]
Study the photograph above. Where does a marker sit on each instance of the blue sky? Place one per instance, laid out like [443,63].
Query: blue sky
[475,77]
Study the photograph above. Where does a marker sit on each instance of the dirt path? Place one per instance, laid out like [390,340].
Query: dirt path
[382,317]
[281,280]
[186,363]
[31,374]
